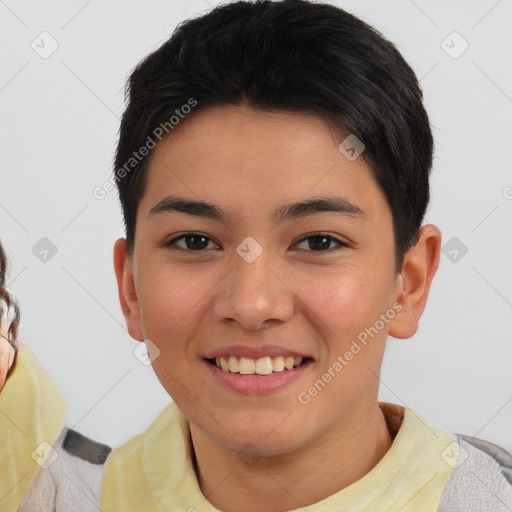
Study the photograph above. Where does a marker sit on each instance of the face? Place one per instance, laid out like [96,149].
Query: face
[259,286]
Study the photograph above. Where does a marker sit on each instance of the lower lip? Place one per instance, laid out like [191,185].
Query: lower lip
[257,385]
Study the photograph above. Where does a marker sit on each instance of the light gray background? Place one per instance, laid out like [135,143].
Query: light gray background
[59,122]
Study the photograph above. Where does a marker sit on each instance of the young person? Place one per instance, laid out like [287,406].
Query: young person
[273,169]
[44,465]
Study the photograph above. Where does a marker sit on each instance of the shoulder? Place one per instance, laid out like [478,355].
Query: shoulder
[70,478]
[481,479]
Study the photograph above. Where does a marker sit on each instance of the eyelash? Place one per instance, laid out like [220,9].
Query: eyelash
[341,244]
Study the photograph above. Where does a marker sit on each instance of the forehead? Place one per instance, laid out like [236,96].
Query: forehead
[253,160]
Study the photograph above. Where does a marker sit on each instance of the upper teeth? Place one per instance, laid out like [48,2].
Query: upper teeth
[262,366]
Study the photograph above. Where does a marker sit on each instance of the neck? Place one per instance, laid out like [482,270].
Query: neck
[276,484]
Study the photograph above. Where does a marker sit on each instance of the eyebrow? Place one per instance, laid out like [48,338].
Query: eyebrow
[286,212]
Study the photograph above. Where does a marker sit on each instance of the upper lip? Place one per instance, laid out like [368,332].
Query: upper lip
[254,352]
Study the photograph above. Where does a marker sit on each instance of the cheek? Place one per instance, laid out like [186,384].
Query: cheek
[173,303]
[170,306]
[345,307]
[164,301]
[344,302]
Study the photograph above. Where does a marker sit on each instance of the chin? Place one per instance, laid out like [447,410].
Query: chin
[267,440]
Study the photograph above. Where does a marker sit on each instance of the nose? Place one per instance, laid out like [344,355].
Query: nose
[255,294]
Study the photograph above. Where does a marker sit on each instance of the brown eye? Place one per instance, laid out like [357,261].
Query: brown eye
[197,242]
[194,242]
[320,242]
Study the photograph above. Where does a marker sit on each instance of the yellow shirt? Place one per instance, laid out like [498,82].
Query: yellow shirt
[32,415]
[153,471]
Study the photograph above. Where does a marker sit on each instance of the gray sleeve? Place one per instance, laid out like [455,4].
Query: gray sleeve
[72,482]
[481,480]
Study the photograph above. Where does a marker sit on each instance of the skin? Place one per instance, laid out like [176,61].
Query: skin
[314,301]
[6,353]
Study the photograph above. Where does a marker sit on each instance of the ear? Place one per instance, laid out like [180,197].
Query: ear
[413,282]
[127,293]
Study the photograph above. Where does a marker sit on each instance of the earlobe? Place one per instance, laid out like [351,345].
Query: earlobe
[127,291]
[413,282]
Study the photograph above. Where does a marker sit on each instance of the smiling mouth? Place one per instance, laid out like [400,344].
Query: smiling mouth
[262,366]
